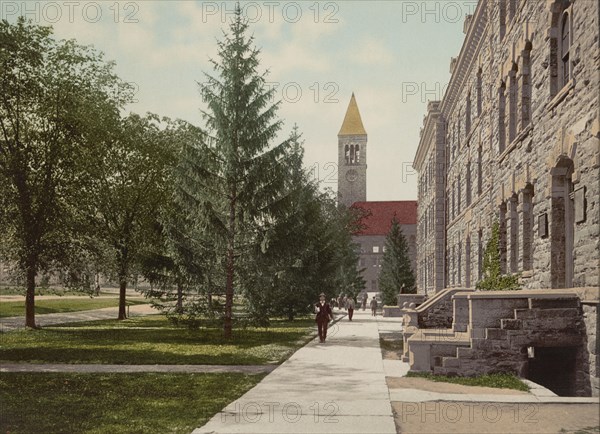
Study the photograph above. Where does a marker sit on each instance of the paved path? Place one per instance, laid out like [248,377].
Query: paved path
[337,387]
[107,369]
[18,322]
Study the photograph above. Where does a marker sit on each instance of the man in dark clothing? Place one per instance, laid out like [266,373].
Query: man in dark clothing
[324,315]
[373,306]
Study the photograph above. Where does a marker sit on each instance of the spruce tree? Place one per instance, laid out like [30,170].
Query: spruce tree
[236,177]
[396,273]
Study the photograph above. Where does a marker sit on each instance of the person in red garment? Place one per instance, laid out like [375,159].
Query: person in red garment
[324,315]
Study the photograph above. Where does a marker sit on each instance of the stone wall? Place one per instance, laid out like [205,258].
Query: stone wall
[519,149]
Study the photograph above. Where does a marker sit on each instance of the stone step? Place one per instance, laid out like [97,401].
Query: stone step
[464,353]
[450,362]
[565,312]
[511,324]
[554,303]
[494,333]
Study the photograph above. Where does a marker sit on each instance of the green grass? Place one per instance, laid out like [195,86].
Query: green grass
[17,308]
[500,381]
[153,340]
[44,290]
[115,403]
[391,344]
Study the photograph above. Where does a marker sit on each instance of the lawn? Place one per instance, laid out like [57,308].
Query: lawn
[501,381]
[115,403]
[153,340]
[17,308]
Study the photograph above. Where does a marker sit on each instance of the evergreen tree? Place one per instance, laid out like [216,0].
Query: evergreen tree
[236,176]
[493,279]
[396,273]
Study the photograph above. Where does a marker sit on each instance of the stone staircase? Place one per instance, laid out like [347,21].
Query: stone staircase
[500,343]
[432,320]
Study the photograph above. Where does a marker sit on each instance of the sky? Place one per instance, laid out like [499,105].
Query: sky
[394,56]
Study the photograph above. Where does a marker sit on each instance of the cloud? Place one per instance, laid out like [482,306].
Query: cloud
[371,51]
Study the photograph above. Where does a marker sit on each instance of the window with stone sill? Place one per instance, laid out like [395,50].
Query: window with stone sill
[560,67]
[502,18]
[375,249]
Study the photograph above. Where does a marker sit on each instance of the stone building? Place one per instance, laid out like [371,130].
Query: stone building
[376,225]
[515,140]
[352,192]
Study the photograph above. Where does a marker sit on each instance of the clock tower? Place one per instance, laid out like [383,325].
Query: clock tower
[352,158]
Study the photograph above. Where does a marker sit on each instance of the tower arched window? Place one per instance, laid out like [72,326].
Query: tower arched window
[357,150]
[352,154]
[347,154]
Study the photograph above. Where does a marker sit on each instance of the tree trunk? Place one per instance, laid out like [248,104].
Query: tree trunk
[230,270]
[30,298]
[122,300]
[179,307]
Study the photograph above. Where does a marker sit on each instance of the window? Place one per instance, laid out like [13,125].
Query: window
[468,183]
[501,118]
[479,171]
[479,72]
[561,41]
[514,233]
[502,238]
[525,86]
[458,196]
[480,253]
[527,222]
[375,249]
[347,154]
[374,285]
[502,18]
[512,104]
[468,115]
[357,152]
[565,48]
[512,9]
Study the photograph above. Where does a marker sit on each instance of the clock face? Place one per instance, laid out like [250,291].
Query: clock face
[351,175]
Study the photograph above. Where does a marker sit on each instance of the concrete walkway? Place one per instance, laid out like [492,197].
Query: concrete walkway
[336,387]
[48,319]
[127,369]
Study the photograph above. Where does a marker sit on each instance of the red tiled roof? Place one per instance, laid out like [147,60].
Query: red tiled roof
[379,215]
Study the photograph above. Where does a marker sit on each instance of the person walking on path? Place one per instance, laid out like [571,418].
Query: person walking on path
[324,315]
[373,306]
[364,300]
[350,306]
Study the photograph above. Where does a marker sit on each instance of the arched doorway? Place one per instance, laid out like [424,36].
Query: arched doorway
[562,225]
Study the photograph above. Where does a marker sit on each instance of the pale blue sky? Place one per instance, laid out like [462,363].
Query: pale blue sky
[394,55]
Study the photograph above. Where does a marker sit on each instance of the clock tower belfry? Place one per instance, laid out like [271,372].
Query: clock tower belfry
[352,158]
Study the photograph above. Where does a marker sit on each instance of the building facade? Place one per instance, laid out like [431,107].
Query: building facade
[515,140]
[376,217]
[375,226]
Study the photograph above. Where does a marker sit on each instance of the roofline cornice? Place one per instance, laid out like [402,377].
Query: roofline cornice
[468,53]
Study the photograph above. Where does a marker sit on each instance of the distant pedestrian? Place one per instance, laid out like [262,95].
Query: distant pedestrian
[350,307]
[364,300]
[340,302]
[374,307]
[323,316]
